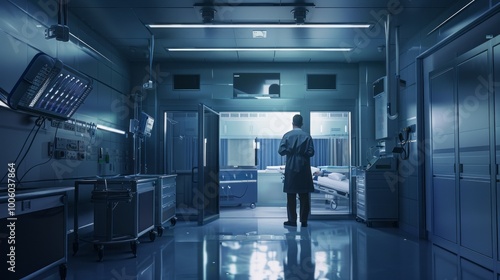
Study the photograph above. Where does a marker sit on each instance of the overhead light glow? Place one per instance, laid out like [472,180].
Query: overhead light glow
[259,49]
[265,25]
[2,104]
[110,129]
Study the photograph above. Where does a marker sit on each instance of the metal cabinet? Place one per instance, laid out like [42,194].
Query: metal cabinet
[165,202]
[377,192]
[238,186]
[35,239]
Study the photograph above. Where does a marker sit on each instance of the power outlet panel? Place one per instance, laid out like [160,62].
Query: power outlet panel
[69,144]
[64,148]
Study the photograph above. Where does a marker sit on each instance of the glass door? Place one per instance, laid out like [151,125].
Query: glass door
[208,165]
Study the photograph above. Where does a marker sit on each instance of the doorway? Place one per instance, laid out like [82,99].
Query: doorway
[192,152]
[249,145]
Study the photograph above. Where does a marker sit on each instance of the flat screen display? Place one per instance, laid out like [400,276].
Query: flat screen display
[186,82]
[256,85]
[321,82]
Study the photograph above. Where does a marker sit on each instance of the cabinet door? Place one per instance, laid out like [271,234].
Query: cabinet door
[496,88]
[443,124]
[473,116]
[475,216]
[445,208]
[444,264]
[474,153]
[443,116]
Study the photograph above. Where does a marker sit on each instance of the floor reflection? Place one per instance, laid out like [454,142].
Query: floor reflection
[261,248]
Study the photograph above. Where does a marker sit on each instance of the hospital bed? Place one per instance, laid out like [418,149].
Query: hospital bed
[333,181]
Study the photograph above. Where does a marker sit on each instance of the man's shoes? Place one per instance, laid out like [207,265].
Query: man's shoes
[303,224]
[289,224]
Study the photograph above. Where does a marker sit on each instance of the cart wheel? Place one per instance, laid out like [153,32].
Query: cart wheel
[173,221]
[152,235]
[252,206]
[160,230]
[333,204]
[100,252]
[133,246]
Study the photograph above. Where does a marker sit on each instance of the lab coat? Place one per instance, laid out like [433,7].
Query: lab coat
[298,148]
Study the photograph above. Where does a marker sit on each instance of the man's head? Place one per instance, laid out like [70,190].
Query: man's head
[297,121]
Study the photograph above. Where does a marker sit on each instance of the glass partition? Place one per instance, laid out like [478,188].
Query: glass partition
[251,168]
[331,163]
[252,138]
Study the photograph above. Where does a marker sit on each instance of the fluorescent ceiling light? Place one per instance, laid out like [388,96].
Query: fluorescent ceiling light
[259,49]
[110,129]
[265,25]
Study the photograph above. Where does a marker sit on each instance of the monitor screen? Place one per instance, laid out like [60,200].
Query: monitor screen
[186,82]
[256,85]
[145,124]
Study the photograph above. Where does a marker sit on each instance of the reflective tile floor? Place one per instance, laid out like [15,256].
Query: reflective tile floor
[260,248]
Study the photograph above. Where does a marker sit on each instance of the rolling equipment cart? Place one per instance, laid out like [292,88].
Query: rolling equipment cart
[377,193]
[238,185]
[123,211]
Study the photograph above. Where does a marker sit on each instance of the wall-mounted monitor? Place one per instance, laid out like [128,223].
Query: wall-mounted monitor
[145,124]
[256,85]
[186,82]
[321,82]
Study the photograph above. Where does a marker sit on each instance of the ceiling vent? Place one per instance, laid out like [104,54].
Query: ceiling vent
[208,15]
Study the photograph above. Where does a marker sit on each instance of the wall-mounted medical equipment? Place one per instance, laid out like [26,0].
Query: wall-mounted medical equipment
[142,126]
[49,88]
[381,119]
[145,124]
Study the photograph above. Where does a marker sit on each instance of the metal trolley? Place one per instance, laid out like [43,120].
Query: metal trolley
[123,211]
[165,200]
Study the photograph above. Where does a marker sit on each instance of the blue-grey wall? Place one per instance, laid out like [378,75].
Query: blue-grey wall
[21,37]
[353,94]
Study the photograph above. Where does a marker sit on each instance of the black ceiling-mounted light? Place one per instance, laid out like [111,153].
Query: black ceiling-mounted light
[208,14]
[299,15]
[60,31]
[48,88]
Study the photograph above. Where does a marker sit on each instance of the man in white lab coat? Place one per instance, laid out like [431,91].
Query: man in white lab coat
[297,146]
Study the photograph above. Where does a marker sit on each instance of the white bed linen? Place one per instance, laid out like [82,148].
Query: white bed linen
[341,186]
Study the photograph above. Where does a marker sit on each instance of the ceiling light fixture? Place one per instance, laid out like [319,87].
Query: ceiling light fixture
[259,34]
[299,15]
[259,49]
[263,25]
